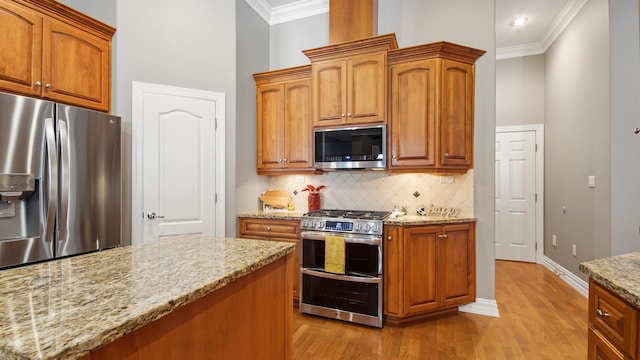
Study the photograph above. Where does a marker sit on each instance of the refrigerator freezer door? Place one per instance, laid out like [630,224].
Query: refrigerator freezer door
[27,222]
[90,181]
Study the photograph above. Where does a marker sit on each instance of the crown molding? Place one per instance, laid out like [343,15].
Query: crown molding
[289,12]
[509,52]
[298,10]
[568,13]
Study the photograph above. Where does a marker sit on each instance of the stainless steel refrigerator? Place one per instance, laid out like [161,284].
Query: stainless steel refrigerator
[60,180]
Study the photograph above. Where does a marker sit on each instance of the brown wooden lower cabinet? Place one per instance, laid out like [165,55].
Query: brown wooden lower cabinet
[427,270]
[613,325]
[250,318]
[275,230]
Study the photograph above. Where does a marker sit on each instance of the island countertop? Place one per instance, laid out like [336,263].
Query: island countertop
[65,308]
[617,273]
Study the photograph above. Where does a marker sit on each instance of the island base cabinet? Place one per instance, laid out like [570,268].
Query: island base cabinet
[250,318]
[613,325]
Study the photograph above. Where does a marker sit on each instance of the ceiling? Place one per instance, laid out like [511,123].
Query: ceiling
[546,20]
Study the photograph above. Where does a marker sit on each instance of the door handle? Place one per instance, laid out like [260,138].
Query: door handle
[152,216]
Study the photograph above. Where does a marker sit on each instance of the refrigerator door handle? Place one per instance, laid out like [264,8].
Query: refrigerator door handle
[64,180]
[52,173]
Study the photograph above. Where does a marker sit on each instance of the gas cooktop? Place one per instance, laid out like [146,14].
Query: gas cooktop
[348,214]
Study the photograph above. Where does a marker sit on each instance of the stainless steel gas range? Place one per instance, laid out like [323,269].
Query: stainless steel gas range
[354,294]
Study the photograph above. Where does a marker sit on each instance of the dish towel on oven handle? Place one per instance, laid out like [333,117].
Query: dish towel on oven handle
[334,250]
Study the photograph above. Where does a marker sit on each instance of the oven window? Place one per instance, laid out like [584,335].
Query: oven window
[350,296]
[360,259]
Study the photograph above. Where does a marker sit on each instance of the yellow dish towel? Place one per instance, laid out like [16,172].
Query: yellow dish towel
[334,250]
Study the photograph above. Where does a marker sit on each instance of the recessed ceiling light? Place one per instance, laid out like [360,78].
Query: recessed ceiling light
[519,21]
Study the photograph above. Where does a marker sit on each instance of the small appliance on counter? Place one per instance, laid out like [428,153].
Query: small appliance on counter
[275,201]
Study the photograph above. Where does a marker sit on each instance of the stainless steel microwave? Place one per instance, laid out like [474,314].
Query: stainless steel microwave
[353,148]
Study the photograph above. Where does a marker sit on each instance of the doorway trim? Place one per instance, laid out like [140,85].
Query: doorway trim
[139,89]
[539,131]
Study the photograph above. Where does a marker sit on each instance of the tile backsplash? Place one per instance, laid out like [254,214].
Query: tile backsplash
[381,190]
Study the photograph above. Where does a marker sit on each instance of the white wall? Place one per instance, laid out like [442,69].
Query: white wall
[188,44]
[467,22]
[577,140]
[520,91]
[625,116]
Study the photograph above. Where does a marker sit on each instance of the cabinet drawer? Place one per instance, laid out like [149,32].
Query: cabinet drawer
[613,317]
[600,348]
[289,229]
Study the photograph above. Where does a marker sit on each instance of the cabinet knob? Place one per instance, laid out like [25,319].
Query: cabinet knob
[349,114]
[393,156]
[38,83]
[268,228]
[342,115]
[445,154]
[48,86]
[389,238]
[601,313]
[284,160]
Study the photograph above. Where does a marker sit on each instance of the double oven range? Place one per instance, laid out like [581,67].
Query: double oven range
[356,295]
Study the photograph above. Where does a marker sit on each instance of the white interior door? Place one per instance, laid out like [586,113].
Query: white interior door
[515,196]
[179,163]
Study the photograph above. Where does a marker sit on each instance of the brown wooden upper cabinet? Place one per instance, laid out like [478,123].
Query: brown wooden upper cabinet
[349,91]
[350,82]
[51,51]
[431,108]
[283,121]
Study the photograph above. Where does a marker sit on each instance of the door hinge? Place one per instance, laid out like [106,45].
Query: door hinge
[216,200]
[536,147]
[216,124]
[536,197]
[536,247]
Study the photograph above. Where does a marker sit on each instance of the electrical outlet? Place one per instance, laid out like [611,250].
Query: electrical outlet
[573,249]
[446,180]
[553,240]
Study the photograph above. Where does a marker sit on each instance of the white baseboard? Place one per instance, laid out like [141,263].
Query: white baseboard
[574,281]
[481,307]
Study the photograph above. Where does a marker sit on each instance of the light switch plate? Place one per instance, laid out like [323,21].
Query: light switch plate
[592,181]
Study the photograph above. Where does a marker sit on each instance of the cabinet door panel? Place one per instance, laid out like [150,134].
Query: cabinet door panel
[413,114]
[269,112]
[420,269]
[458,270]
[20,49]
[77,66]
[297,124]
[392,271]
[366,86]
[600,348]
[456,123]
[329,89]
[619,321]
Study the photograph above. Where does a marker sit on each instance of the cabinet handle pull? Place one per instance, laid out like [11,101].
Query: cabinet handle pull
[601,313]
[38,83]
[445,154]
[442,236]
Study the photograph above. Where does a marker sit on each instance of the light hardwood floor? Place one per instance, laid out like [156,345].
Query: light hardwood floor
[541,317]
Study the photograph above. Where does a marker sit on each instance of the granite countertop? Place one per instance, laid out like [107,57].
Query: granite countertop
[401,220]
[65,308]
[618,274]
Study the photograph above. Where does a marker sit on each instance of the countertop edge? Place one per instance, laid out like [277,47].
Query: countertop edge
[604,272]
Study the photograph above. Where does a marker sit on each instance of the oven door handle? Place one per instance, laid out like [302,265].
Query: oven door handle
[372,280]
[314,235]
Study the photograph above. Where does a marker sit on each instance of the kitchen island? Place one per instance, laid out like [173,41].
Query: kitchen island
[614,306]
[187,296]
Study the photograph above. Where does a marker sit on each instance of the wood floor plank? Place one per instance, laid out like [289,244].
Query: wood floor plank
[541,317]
